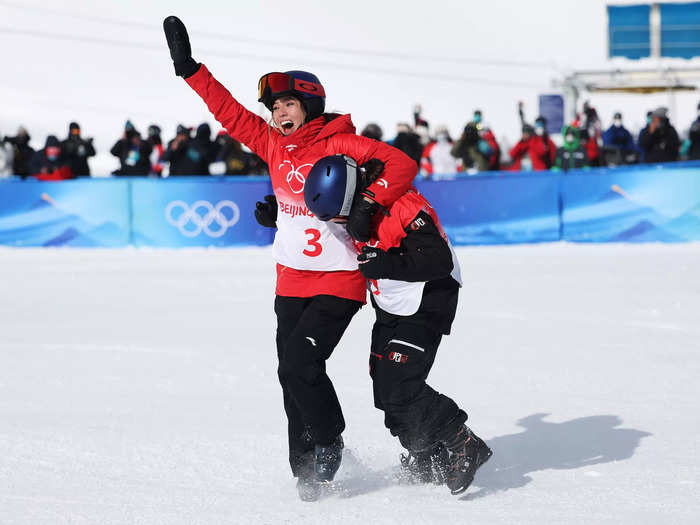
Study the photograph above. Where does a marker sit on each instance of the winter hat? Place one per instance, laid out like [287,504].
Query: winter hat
[372,131]
[203,131]
[72,126]
[182,130]
[617,115]
[52,141]
[660,112]
[128,126]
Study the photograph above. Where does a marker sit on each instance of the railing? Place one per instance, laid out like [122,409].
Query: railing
[626,204]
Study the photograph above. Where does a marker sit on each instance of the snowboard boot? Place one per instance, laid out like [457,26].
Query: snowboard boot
[466,452]
[327,459]
[319,469]
[426,466]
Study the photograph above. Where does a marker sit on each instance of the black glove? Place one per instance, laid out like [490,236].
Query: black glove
[266,212]
[179,44]
[360,219]
[375,263]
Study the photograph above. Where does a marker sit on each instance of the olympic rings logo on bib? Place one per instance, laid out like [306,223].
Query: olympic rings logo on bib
[295,178]
[202,215]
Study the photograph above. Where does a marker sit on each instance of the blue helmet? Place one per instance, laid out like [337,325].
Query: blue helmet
[330,187]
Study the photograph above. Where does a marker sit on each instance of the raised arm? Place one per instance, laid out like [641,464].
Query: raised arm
[242,124]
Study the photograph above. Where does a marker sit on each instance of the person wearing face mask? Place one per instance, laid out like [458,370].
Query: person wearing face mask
[436,158]
[642,132]
[488,144]
[571,155]
[535,150]
[319,286]
[77,150]
[619,144]
[49,163]
[471,151]
[660,141]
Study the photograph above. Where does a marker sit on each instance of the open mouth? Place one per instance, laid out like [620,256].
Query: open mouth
[287,125]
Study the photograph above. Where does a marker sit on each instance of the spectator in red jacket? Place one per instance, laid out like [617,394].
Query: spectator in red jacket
[535,151]
[50,163]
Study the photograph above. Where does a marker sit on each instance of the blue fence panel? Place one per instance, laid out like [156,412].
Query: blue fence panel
[660,203]
[497,210]
[198,212]
[68,213]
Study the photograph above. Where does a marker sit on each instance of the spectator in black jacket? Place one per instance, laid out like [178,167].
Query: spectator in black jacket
[76,150]
[191,156]
[408,142]
[660,141]
[22,152]
[133,152]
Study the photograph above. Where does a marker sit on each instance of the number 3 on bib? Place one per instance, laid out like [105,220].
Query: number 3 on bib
[315,248]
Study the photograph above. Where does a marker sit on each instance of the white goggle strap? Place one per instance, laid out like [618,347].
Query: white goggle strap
[350,185]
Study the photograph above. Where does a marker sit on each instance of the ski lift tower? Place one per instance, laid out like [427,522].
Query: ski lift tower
[656,31]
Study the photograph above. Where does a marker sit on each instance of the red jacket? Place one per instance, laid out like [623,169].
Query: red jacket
[62,173]
[541,152]
[311,258]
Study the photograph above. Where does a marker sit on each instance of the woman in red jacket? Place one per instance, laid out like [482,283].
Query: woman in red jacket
[319,287]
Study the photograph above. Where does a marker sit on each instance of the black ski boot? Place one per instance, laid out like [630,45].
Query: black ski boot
[426,466]
[319,469]
[467,452]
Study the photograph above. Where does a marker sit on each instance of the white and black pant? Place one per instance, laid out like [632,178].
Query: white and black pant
[402,354]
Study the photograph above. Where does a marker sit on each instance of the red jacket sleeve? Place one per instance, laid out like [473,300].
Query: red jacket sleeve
[242,124]
[519,149]
[399,168]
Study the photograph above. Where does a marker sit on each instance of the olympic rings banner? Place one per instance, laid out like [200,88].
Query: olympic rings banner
[636,204]
[191,212]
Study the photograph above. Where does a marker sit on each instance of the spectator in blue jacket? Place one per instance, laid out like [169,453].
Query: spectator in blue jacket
[619,143]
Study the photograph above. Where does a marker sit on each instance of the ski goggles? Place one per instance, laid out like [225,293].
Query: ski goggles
[274,85]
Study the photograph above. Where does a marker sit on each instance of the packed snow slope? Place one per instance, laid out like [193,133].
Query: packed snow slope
[140,387]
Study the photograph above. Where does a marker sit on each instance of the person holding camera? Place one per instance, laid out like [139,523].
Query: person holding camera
[76,150]
[133,152]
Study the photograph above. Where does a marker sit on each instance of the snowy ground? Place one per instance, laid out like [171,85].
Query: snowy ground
[139,387]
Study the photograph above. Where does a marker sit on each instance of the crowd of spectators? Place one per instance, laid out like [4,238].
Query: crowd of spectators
[187,153]
[583,141]
[584,144]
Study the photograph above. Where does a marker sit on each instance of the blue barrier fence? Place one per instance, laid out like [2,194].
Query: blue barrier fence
[630,204]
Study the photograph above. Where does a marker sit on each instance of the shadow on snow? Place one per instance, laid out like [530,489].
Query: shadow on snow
[573,444]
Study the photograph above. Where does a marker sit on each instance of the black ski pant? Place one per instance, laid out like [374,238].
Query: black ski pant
[308,330]
[402,354]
